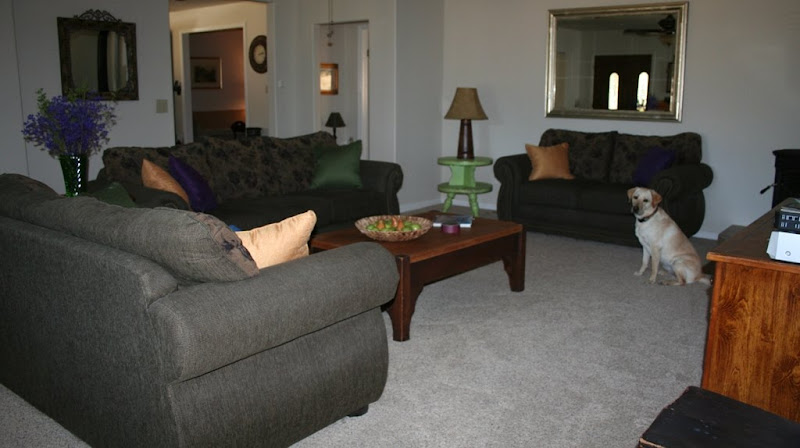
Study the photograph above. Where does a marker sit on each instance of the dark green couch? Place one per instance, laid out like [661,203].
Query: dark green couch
[595,205]
[152,327]
[260,180]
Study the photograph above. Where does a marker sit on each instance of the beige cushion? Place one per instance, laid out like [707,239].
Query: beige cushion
[549,162]
[153,176]
[281,241]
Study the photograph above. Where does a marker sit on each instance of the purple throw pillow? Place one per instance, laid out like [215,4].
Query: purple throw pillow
[201,198]
[653,161]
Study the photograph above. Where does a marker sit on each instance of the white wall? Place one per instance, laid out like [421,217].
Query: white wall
[12,148]
[37,66]
[252,18]
[405,82]
[419,100]
[740,89]
[296,77]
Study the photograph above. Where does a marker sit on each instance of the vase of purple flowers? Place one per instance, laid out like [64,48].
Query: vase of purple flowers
[71,128]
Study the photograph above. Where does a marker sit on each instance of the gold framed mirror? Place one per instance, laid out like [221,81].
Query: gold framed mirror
[98,53]
[619,62]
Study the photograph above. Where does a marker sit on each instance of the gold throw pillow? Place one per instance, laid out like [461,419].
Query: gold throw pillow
[281,241]
[549,162]
[153,176]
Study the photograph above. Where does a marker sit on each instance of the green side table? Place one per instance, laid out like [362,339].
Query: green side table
[462,180]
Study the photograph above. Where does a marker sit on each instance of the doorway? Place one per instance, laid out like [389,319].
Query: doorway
[213,93]
[347,46]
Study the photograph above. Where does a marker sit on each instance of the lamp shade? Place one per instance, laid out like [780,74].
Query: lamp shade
[466,105]
[334,120]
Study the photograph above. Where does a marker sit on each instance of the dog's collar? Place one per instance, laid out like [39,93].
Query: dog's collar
[646,218]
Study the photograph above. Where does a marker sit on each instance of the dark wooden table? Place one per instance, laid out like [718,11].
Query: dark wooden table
[752,351]
[437,255]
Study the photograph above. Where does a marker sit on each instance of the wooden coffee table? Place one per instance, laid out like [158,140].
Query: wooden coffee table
[437,255]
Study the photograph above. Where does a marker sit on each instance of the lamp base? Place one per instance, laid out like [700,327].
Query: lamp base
[465,140]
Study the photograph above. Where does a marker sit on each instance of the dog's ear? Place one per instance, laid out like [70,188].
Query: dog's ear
[630,193]
[656,198]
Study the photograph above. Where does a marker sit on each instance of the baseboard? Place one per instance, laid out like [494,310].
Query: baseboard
[433,203]
[419,205]
[706,235]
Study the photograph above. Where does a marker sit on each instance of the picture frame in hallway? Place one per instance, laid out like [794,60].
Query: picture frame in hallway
[206,73]
[328,79]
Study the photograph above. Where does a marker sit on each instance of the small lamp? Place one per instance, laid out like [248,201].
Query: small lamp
[466,107]
[334,121]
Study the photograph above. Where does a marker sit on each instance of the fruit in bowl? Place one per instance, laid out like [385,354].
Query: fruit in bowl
[395,224]
[393,227]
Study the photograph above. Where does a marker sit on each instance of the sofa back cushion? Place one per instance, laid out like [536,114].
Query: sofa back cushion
[245,167]
[263,166]
[236,167]
[124,164]
[629,149]
[291,161]
[589,153]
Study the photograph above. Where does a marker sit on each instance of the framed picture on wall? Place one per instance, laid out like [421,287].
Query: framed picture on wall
[206,73]
[329,79]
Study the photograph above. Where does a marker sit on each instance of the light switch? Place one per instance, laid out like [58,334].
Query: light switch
[162,106]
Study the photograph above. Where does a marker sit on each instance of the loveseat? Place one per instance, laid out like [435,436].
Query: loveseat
[153,326]
[261,180]
[594,204]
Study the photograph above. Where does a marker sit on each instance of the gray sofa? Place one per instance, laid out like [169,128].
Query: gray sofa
[153,326]
[595,205]
[260,180]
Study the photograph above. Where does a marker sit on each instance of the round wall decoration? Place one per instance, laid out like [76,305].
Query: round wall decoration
[258,54]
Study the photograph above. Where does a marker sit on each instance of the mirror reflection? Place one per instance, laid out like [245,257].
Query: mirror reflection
[98,53]
[617,62]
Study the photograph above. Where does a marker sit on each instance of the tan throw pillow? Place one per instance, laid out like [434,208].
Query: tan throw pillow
[549,162]
[281,241]
[153,176]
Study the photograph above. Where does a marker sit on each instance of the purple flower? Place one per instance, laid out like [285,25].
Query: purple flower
[75,124]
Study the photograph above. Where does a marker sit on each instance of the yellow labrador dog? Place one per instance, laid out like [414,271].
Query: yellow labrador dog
[662,241]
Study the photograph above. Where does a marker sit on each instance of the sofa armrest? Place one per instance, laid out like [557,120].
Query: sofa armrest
[150,197]
[206,326]
[144,197]
[682,180]
[384,177]
[512,171]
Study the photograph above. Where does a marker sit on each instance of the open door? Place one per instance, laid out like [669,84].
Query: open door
[213,87]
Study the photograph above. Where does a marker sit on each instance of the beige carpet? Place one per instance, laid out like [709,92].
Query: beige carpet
[586,356]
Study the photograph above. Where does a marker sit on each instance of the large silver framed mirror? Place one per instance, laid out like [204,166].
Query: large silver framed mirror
[98,53]
[619,62]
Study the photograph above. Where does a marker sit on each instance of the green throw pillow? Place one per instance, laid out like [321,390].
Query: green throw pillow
[114,193]
[337,167]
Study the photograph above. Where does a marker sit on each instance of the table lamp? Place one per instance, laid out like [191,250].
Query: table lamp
[466,107]
[334,121]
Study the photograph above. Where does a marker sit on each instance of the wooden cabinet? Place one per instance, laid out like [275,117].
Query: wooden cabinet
[753,346]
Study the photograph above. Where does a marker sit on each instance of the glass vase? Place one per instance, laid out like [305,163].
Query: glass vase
[76,173]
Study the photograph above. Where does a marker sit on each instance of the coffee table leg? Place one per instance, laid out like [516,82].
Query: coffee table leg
[514,264]
[405,300]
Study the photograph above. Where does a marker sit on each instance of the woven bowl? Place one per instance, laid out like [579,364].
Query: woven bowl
[363,223]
